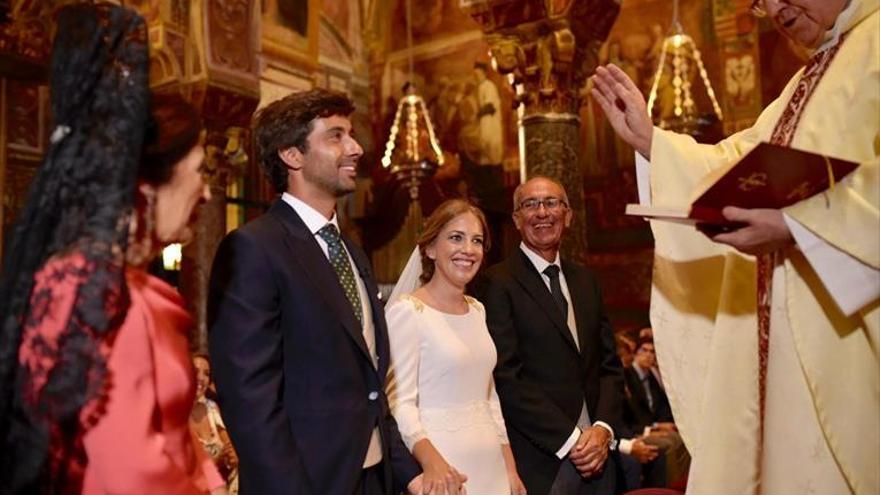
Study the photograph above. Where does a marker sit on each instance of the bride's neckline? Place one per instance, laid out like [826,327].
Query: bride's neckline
[419,300]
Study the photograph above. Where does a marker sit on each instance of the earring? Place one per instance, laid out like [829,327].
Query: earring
[140,242]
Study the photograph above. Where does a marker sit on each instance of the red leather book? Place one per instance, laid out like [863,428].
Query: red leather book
[769,176]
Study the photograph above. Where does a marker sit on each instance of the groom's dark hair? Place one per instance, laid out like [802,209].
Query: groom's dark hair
[288,122]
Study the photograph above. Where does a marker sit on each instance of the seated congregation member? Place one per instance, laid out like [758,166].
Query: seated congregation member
[646,407]
[207,425]
[558,377]
[647,333]
[647,404]
[768,334]
[442,358]
[97,383]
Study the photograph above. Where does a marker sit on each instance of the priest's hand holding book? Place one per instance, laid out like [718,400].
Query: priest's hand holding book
[739,204]
[765,230]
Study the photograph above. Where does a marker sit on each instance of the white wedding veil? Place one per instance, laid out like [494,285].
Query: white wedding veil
[410,278]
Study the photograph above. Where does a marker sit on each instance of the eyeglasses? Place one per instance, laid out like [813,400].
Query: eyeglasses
[757,9]
[533,204]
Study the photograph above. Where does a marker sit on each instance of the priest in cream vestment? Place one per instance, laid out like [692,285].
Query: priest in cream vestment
[795,410]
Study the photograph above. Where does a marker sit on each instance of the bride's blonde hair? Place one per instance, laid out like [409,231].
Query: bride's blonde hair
[444,213]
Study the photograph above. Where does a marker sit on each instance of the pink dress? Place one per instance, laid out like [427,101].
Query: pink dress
[141,441]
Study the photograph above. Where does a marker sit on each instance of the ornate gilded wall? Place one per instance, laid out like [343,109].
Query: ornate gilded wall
[232,56]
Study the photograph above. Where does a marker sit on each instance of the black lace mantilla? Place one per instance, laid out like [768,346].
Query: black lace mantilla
[80,202]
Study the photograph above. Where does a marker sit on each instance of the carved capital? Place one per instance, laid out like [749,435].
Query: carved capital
[225,156]
[232,32]
[547,47]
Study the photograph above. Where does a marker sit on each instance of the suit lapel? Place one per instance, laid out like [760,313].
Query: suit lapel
[528,277]
[378,312]
[306,251]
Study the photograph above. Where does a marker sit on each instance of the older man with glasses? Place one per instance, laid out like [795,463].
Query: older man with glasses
[558,376]
[771,363]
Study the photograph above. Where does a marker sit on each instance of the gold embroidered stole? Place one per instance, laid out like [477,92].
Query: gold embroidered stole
[782,135]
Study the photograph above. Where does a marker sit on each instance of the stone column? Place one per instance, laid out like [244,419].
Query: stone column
[224,159]
[548,49]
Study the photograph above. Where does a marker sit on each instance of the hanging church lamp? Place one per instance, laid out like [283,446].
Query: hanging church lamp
[412,153]
[671,103]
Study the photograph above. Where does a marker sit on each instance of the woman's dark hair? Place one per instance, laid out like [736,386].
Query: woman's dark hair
[79,202]
[288,122]
[174,129]
[444,213]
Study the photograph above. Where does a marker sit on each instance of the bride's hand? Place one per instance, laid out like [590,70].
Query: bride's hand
[516,485]
[440,478]
[443,479]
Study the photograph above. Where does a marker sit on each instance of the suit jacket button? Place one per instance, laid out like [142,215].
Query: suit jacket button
[373,395]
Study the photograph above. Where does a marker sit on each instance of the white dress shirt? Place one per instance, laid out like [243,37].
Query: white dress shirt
[315,221]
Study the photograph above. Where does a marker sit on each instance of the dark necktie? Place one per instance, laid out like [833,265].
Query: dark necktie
[341,264]
[552,272]
[646,383]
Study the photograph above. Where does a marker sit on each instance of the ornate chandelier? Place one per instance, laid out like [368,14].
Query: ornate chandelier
[673,82]
[412,153]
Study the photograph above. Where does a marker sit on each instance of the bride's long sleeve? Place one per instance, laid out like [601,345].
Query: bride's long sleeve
[403,384]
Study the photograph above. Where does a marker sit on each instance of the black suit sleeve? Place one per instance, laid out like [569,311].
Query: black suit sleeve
[610,405]
[522,400]
[245,344]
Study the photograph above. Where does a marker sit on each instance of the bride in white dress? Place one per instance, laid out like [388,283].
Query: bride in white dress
[442,393]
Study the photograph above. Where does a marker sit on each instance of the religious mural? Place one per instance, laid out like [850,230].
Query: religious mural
[289,29]
[340,38]
[292,14]
[432,20]
[621,247]
[470,104]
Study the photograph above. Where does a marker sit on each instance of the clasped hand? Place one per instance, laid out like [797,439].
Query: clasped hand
[591,450]
[438,479]
[644,452]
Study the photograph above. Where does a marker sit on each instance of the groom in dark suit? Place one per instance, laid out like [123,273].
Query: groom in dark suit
[558,375]
[297,336]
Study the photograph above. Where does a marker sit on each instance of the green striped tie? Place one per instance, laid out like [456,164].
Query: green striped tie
[342,265]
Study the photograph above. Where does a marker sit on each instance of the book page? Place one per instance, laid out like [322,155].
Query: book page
[659,212]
